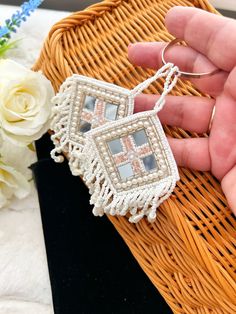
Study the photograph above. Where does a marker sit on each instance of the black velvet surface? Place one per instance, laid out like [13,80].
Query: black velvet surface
[91,269]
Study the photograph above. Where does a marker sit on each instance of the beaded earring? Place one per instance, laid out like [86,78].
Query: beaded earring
[128,164]
[124,158]
[84,103]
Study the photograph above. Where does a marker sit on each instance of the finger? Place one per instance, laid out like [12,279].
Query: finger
[187,112]
[187,59]
[212,35]
[229,188]
[191,153]
[223,135]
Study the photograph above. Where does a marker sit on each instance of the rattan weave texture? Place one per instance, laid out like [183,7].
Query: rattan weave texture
[189,253]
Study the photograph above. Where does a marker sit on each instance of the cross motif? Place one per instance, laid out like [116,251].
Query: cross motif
[132,154]
[96,117]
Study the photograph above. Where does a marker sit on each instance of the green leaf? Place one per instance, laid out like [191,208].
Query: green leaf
[32,147]
[7,46]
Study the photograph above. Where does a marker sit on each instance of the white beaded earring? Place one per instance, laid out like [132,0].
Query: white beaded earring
[128,164]
[84,103]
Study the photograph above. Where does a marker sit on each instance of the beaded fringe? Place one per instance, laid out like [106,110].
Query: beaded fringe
[85,161]
[61,138]
[138,203]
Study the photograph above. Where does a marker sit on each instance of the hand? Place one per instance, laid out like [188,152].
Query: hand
[211,43]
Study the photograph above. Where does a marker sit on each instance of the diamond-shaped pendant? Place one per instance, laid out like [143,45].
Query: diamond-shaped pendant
[83,104]
[126,163]
[129,167]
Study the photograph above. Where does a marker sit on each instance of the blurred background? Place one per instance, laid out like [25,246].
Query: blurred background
[65,5]
[226,7]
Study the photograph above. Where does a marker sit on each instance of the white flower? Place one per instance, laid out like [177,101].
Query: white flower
[15,175]
[12,183]
[25,103]
[18,157]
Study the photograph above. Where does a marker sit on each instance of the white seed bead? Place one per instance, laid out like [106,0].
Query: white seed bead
[129,183]
[135,125]
[124,129]
[163,167]
[110,169]
[122,112]
[160,173]
[113,133]
[134,181]
[60,159]
[118,185]
[140,180]
[130,128]
[124,185]
[109,164]
[113,174]
[146,124]
[140,123]
[122,107]
[145,178]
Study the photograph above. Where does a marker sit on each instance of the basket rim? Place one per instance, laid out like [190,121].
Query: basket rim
[96,10]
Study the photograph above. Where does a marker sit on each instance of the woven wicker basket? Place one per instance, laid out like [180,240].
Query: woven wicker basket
[189,253]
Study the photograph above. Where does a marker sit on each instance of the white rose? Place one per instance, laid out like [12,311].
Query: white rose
[18,157]
[25,103]
[12,183]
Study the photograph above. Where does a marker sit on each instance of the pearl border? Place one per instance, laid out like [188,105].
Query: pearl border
[100,135]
